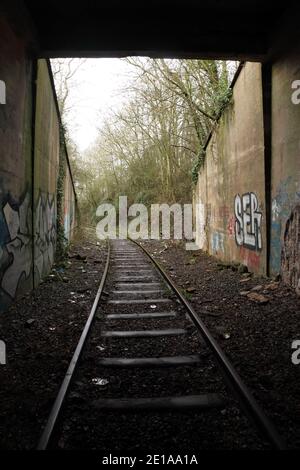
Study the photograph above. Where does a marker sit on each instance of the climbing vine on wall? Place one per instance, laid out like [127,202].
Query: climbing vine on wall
[198,163]
[223,99]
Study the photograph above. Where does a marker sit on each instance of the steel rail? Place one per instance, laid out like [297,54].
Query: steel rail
[245,397]
[64,388]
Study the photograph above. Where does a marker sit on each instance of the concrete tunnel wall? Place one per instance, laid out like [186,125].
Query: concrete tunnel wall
[29,164]
[46,172]
[285,189]
[231,190]
[233,177]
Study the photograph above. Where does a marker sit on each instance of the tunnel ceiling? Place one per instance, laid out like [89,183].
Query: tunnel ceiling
[187,28]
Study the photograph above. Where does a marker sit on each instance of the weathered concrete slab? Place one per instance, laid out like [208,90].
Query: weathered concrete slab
[139,301]
[120,316]
[150,361]
[144,333]
[211,400]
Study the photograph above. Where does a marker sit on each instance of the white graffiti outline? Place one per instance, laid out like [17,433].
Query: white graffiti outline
[247,216]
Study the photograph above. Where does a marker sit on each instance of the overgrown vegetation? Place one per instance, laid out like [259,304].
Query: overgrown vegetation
[152,148]
[198,163]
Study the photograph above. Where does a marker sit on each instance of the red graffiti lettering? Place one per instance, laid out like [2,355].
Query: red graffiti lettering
[230,226]
[250,258]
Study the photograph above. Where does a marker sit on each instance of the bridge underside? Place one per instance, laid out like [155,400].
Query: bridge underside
[186,29]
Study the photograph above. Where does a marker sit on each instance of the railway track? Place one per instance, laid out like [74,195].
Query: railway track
[150,372]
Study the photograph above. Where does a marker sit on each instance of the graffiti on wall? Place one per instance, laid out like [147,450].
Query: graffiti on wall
[16,248]
[69,218]
[248,221]
[230,226]
[44,235]
[200,223]
[290,254]
[283,201]
[217,240]
[16,241]
[250,258]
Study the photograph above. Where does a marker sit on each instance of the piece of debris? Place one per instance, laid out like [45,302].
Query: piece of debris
[272,286]
[29,322]
[223,333]
[153,306]
[259,298]
[190,289]
[257,288]
[100,347]
[247,274]
[246,279]
[226,335]
[245,292]
[100,382]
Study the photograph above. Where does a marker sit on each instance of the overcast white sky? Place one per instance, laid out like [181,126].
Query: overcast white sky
[95,90]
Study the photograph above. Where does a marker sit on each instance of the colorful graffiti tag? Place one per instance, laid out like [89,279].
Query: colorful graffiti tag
[248,221]
[290,253]
[230,226]
[16,249]
[44,235]
[285,199]
[250,258]
[217,240]
[16,241]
